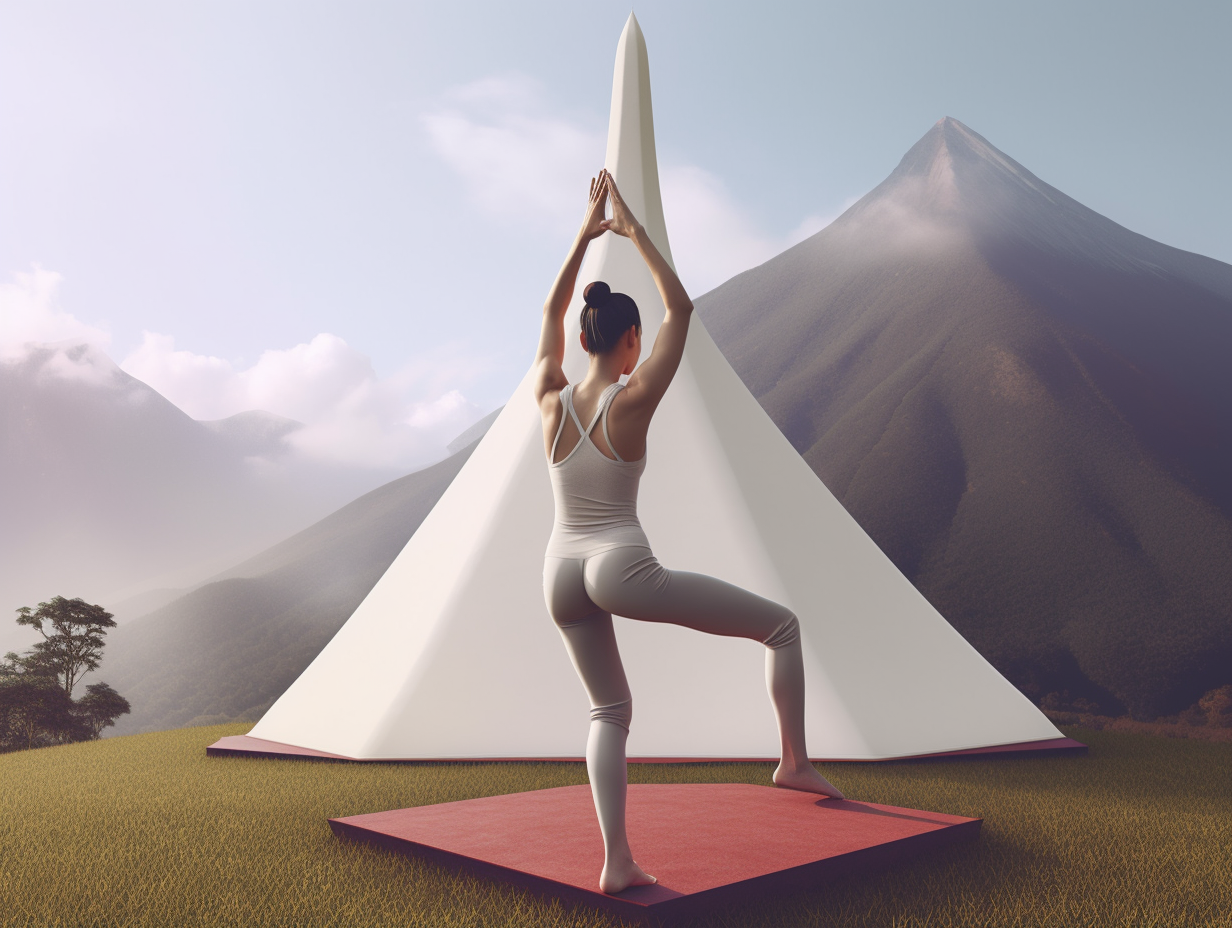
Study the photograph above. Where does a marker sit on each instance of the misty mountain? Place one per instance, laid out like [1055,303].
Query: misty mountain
[229,648]
[1026,405]
[253,433]
[1022,402]
[109,491]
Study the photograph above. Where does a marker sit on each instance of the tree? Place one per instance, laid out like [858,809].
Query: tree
[100,707]
[34,709]
[36,688]
[74,645]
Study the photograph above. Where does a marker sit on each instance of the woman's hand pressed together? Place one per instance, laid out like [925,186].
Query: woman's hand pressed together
[596,206]
[623,221]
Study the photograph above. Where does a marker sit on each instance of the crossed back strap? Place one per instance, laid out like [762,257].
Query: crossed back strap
[605,403]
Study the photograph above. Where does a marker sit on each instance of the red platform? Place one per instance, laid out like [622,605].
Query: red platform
[708,844]
[244,746]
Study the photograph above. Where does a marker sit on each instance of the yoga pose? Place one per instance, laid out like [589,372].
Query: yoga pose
[598,560]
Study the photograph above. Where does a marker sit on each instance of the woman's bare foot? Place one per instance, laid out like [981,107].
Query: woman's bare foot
[807,779]
[615,878]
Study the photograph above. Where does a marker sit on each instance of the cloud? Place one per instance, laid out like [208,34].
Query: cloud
[520,160]
[517,160]
[713,237]
[351,415]
[202,386]
[30,314]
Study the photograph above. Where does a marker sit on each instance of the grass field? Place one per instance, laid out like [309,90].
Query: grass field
[146,830]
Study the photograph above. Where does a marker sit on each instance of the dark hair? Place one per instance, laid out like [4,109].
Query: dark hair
[607,316]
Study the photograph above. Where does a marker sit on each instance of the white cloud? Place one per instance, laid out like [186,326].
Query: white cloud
[350,414]
[519,160]
[30,313]
[713,237]
[202,386]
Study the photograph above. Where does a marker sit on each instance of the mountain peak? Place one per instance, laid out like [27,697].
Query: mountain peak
[952,150]
[70,359]
[953,185]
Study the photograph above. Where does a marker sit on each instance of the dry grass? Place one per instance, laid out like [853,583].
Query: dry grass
[146,830]
[1163,728]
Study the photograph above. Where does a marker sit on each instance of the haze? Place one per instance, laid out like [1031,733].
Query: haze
[345,214]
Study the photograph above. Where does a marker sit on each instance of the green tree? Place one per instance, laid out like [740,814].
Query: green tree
[100,707]
[34,709]
[36,688]
[72,644]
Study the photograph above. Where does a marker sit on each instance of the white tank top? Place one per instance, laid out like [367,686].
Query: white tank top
[596,497]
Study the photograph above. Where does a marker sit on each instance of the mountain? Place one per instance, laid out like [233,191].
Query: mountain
[228,648]
[1027,406]
[253,433]
[474,432]
[1022,402]
[110,491]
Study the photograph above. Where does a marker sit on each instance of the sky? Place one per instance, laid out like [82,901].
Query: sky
[345,212]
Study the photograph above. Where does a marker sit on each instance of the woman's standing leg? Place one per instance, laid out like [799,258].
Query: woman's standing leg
[591,643]
[632,583]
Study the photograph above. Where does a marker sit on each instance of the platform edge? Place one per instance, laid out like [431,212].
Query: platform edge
[244,746]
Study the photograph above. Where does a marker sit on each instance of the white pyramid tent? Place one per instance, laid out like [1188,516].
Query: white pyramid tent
[453,655]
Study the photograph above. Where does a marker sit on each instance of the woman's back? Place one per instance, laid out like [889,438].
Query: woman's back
[620,436]
[596,495]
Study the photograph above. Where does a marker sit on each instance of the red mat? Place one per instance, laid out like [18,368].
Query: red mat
[708,844]
[244,746]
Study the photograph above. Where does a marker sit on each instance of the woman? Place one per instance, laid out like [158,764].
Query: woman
[598,560]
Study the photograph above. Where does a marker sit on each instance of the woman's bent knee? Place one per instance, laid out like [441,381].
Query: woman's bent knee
[619,713]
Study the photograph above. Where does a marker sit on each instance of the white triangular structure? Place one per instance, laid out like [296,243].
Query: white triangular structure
[453,655]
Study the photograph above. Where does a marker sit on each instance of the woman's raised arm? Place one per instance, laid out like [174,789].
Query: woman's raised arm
[549,375]
[652,378]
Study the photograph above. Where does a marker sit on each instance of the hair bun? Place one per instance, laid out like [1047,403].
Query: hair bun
[596,294]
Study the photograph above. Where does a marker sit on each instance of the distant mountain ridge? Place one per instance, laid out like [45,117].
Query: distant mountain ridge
[1026,405]
[254,432]
[110,490]
[1018,399]
[227,649]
